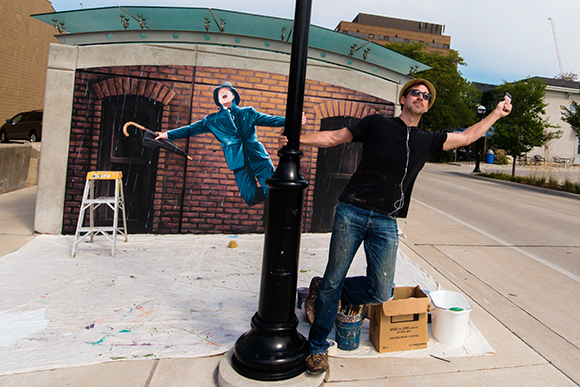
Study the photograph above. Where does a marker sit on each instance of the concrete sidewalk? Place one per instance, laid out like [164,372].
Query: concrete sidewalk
[16,219]
[520,358]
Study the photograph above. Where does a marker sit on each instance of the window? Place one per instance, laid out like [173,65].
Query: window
[28,117]
[17,118]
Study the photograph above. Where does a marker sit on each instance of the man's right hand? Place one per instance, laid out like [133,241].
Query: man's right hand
[282,141]
[161,136]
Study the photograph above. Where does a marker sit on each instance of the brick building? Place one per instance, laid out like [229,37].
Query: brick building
[382,30]
[97,81]
[24,55]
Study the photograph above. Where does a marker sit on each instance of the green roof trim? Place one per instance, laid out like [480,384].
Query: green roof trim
[131,24]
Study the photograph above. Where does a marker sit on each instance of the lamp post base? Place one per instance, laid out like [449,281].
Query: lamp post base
[270,352]
[477,160]
[228,377]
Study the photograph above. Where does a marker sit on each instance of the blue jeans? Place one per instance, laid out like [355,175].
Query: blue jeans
[352,226]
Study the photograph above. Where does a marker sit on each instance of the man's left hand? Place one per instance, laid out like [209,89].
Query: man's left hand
[504,107]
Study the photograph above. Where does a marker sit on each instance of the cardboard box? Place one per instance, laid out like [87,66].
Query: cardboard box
[401,323]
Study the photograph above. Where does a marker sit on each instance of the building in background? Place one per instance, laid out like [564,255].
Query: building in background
[382,30]
[566,149]
[25,42]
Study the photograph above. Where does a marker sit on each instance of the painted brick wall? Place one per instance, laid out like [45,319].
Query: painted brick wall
[201,196]
[91,86]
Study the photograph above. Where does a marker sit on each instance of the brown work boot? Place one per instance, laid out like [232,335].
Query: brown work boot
[310,303]
[317,363]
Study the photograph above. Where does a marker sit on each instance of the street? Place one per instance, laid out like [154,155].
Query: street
[543,225]
[524,268]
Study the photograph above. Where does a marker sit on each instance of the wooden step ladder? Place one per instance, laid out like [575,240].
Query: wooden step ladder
[91,203]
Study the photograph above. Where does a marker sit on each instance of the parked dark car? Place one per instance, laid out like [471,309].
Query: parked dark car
[23,126]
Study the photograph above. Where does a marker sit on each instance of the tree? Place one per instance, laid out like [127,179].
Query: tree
[525,128]
[457,99]
[572,116]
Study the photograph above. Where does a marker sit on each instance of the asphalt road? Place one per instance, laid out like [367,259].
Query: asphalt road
[543,225]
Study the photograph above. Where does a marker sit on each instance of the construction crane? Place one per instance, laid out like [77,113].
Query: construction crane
[556,44]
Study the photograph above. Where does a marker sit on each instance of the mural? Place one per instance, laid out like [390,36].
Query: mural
[222,188]
[235,128]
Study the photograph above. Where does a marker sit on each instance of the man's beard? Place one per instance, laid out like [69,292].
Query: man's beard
[417,109]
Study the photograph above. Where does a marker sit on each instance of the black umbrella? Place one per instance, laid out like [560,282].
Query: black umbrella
[149,140]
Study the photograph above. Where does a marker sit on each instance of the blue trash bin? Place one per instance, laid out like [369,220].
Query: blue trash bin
[489,156]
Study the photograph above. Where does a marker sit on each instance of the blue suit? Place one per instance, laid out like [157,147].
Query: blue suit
[235,129]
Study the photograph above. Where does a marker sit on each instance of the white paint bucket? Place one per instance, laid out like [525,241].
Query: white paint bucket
[450,315]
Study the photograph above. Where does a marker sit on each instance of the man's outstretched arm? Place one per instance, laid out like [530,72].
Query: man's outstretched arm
[322,139]
[192,129]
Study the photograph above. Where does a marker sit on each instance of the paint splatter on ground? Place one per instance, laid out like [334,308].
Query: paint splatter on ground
[160,296]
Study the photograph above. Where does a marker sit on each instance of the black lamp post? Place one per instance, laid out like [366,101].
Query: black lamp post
[273,349]
[481,113]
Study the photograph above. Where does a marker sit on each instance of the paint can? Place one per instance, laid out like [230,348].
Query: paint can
[348,331]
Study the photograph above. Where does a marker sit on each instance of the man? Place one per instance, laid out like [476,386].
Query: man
[394,151]
[235,128]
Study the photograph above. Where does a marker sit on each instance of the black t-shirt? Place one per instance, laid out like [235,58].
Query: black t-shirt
[376,184]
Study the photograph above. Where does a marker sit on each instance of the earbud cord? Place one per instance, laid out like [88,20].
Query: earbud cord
[401,202]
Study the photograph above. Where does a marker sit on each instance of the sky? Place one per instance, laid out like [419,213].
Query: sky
[500,40]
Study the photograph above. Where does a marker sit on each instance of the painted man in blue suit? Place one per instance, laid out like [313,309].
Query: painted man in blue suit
[235,128]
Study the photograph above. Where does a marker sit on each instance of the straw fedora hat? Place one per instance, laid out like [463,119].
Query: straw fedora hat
[420,81]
